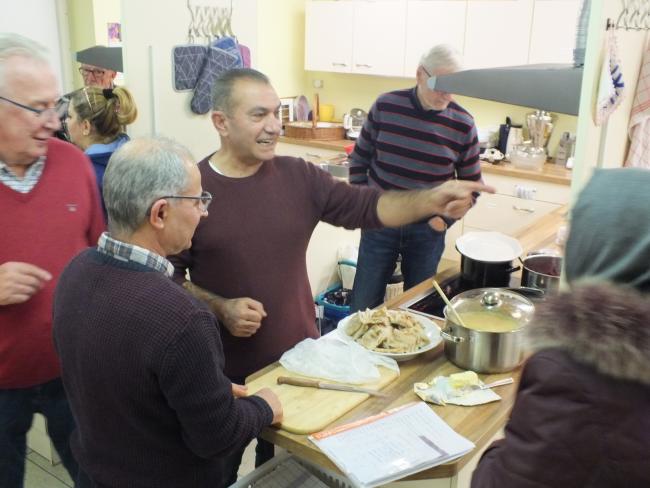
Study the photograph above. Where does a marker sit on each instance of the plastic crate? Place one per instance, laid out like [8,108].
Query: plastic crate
[332,311]
[283,467]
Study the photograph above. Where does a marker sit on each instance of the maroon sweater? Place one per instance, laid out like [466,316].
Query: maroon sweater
[143,370]
[45,227]
[253,244]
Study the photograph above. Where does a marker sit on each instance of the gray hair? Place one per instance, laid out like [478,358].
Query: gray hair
[139,173]
[441,56]
[16,45]
[224,84]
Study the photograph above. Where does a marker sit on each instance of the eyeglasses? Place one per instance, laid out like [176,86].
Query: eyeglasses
[41,113]
[204,200]
[88,71]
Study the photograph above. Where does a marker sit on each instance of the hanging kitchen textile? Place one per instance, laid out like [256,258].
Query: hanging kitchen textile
[229,44]
[611,88]
[639,128]
[245,53]
[187,62]
[217,62]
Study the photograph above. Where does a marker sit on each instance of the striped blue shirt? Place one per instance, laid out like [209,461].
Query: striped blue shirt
[404,146]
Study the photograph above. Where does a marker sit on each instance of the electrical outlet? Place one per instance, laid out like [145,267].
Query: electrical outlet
[318,83]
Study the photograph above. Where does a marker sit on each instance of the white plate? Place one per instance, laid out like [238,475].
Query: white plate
[492,247]
[431,330]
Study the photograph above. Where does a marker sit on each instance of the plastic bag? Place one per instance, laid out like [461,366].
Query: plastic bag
[332,359]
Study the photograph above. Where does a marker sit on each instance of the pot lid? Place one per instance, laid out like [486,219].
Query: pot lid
[493,247]
[495,301]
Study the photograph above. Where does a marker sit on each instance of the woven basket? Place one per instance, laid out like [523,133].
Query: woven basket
[324,131]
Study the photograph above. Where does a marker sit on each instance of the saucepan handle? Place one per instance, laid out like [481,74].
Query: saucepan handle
[450,337]
[512,270]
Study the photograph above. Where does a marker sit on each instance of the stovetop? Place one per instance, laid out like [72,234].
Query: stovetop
[431,304]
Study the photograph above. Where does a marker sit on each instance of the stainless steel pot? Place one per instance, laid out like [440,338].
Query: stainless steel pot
[542,271]
[486,351]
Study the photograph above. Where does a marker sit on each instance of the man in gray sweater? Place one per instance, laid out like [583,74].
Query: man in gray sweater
[142,359]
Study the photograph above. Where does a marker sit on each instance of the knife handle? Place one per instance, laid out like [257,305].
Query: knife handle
[287,380]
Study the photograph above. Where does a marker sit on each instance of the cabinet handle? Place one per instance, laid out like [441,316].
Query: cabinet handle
[363,65]
[339,64]
[523,209]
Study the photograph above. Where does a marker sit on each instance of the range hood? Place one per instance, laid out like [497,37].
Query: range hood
[550,87]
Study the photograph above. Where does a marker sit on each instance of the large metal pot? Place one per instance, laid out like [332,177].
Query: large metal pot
[542,271]
[496,348]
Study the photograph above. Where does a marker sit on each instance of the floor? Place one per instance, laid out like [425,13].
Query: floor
[40,473]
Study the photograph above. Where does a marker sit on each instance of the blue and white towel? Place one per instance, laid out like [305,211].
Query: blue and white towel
[611,88]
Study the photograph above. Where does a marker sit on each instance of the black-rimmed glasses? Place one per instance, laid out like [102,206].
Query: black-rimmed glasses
[95,72]
[204,200]
[41,113]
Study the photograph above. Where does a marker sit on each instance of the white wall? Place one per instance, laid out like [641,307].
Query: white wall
[150,29]
[43,28]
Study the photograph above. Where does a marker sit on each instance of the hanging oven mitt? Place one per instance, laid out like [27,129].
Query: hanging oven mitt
[217,62]
[229,44]
[187,62]
[245,55]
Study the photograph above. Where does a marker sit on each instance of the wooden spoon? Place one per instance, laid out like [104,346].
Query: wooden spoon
[449,305]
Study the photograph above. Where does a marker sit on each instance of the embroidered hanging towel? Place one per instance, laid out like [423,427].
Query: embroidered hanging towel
[639,128]
[610,87]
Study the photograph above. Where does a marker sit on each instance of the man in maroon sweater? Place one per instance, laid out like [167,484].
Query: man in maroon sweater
[50,212]
[247,258]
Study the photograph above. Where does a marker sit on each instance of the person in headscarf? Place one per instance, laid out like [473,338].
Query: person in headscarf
[582,413]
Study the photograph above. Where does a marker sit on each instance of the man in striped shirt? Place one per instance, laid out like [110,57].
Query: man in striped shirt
[413,138]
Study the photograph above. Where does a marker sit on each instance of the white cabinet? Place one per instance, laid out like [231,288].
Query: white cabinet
[431,22]
[328,36]
[497,33]
[355,37]
[378,38]
[553,32]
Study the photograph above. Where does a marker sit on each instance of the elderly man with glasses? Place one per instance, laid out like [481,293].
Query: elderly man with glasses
[414,138]
[50,212]
[143,364]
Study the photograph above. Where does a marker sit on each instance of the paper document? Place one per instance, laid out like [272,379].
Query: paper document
[391,445]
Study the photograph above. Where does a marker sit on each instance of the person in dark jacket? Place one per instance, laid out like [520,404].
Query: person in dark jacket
[582,413]
[96,121]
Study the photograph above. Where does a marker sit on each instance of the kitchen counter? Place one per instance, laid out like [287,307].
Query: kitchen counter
[479,424]
[551,173]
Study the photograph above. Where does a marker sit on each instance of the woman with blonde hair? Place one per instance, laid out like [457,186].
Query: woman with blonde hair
[97,120]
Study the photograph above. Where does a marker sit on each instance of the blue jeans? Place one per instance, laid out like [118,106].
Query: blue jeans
[420,247]
[17,408]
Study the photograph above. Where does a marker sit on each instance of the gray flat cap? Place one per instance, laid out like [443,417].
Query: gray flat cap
[102,56]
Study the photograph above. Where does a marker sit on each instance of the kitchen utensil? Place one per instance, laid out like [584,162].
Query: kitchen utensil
[542,271]
[306,382]
[515,137]
[308,410]
[489,350]
[444,297]
[505,381]
[486,258]
[315,113]
[431,330]
[353,122]
[540,126]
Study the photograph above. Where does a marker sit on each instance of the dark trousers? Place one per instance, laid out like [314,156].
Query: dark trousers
[263,452]
[17,408]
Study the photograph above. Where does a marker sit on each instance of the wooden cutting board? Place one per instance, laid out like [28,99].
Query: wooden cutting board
[308,410]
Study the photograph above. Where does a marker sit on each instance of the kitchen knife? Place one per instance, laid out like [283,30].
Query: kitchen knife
[287,380]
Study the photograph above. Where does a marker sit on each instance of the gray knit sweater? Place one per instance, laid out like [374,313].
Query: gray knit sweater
[142,365]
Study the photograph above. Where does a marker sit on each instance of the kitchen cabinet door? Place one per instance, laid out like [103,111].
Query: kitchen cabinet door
[497,33]
[553,33]
[431,22]
[328,36]
[378,39]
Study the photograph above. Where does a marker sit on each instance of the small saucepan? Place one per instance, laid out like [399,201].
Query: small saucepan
[542,270]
